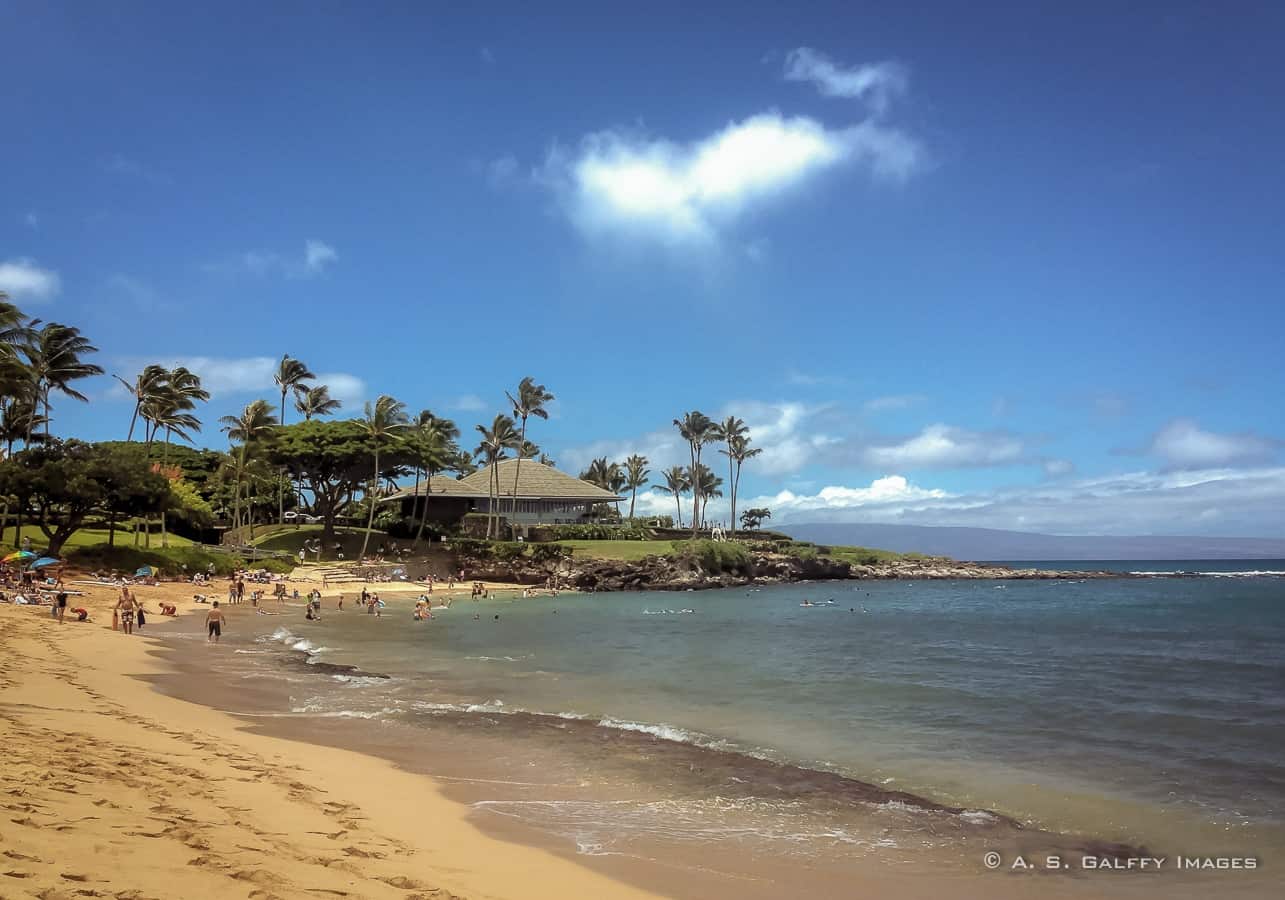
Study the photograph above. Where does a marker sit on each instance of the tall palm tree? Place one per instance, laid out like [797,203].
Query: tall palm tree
[707,484]
[698,430]
[144,388]
[501,436]
[255,423]
[738,451]
[169,405]
[530,401]
[54,361]
[636,475]
[727,431]
[290,375]
[384,418]
[676,482]
[314,400]
[435,447]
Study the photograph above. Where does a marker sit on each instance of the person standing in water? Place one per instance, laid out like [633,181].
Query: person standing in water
[214,621]
[126,606]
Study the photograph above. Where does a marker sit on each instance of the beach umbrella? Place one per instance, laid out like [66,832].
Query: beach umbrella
[19,554]
[144,571]
[45,561]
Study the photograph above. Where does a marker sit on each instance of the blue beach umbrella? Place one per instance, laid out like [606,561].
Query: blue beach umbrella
[45,561]
[144,571]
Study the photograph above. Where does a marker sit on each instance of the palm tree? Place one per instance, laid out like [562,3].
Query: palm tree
[676,482]
[434,445]
[384,418]
[705,483]
[314,400]
[636,475]
[697,429]
[145,387]
[729,430]
[495,440]
[255,423]
[54,361]
[529,401]
[290,376]
[738,451]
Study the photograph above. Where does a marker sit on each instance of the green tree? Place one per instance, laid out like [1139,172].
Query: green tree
[676,483]
[385,418]
[501,436]
[249,429]
[291,375]
[144,389]
[434,450]
[636,475]
[332,459]
[705,483]
[314,400]
[729,431]
[753,518]
[53,356]
[698,430]
[61,483]
[530,401]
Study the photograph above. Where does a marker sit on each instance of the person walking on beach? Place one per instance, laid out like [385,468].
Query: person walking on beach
[240,589]
[214,621]
[126,606]
[61,603]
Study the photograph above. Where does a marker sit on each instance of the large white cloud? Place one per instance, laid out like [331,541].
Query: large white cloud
[1183,444]
[22,279]
[627,183]
[942,446]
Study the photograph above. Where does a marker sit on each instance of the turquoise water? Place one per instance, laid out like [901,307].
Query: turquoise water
[1145,710]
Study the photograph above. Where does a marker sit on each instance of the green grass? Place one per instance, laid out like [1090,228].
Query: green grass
[629,551]
[868,556]
[88,537]
[291,538]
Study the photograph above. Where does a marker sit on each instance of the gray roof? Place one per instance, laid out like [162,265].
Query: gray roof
[536,481]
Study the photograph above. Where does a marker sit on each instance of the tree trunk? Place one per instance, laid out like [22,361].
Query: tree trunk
[370,518]
[632,497]
[517,470]
[695,490]
[281,487]
[111,529]
[423,518]
[678,502]
[133,419]
[731,483]
[165,458]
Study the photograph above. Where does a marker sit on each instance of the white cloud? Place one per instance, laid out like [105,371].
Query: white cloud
[891,489]
[467,403]
[808,379]
[1182,444]
[31,220]
[942,446]
[873,83]
[349,390]
[894,402]
[683,194]
[317,255]
[22,279]
[1235,502]
[223,375]
[1055,468]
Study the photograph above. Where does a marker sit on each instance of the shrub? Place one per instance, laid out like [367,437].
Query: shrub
[591,532]
[169,562]
[548,552]
[715,556]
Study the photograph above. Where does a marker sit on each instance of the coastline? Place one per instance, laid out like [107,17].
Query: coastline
[179,799]
[206,796]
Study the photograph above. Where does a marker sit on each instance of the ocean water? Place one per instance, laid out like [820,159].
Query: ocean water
[887,719]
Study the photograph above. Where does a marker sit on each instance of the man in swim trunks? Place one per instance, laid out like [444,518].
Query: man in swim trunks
[126,605]
[214,620]
[61,603]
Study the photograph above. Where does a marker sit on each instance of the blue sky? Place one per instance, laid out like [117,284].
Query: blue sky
[1016,266]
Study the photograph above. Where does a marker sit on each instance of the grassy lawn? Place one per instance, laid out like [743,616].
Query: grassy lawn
[626,550]
[87,537]
[291,538]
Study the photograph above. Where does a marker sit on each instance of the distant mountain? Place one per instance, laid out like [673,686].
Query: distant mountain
[994,544]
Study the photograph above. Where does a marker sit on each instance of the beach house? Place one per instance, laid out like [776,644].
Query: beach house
[544,496]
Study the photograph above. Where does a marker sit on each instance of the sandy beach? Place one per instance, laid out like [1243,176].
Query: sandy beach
[112,789]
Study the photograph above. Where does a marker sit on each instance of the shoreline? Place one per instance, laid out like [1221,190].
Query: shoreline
[403,815]
[180,799]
